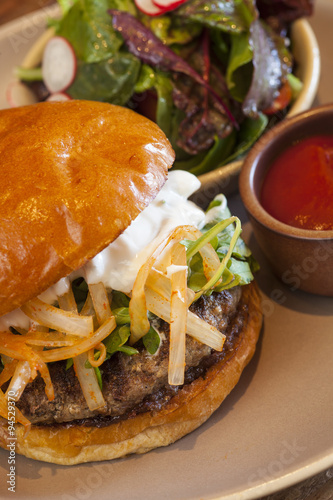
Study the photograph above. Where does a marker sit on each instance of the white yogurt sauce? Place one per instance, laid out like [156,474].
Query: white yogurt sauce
[118,264]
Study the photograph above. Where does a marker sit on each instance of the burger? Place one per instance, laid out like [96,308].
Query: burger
[127,312]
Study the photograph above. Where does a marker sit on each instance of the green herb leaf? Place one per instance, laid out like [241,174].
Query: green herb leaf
[172,29]
[65,5]
[151,340]
[111,80]
[237,262]
[99,372]
[86,26]
[232,16]
[242,269]
[119,299]
[240,56]
[69,363]
[249,132]
[164,111]
[117,339]
[146,79]
[130,351]
[214,157]
[122,315]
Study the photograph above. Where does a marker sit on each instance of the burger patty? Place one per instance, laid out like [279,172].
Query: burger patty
[133,384]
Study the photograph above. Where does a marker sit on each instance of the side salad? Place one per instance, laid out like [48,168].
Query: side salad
[213,74]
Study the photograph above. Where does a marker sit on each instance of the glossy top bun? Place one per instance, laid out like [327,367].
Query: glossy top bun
[73,177]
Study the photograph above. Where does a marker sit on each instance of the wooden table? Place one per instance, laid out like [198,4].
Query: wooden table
[319,487]
[10,9]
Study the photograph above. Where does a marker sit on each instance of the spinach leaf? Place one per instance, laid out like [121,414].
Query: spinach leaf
[171,29]
[122,315]
[69,363]
[116,340]
[146,79]
[240,56]
[232,16]
[230,148]
[127,349]
[214,157]
[151,340]
[86,26]
[165,107]
[65,5]
[249,132]
[111,80]
[119,299]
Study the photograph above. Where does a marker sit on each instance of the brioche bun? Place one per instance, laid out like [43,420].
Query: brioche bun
[55,209]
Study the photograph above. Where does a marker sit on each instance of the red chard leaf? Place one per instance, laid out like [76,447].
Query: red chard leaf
[142,42]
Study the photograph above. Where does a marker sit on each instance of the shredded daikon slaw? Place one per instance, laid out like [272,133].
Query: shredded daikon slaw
[166,283]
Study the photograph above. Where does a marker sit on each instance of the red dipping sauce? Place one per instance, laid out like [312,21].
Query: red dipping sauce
[298,188]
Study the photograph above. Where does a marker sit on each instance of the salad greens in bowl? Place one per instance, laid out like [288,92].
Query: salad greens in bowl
[213,75]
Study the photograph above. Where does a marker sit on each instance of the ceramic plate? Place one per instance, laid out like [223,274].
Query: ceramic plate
[273,430]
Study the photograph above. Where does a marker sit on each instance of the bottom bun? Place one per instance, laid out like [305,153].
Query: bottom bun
[183,413]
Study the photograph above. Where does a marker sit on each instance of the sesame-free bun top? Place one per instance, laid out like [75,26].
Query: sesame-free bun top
[73,176]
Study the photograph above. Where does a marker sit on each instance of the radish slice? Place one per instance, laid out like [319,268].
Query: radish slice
[58,65]
[167,5]
[59,96]
[148,7]
[19,94]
